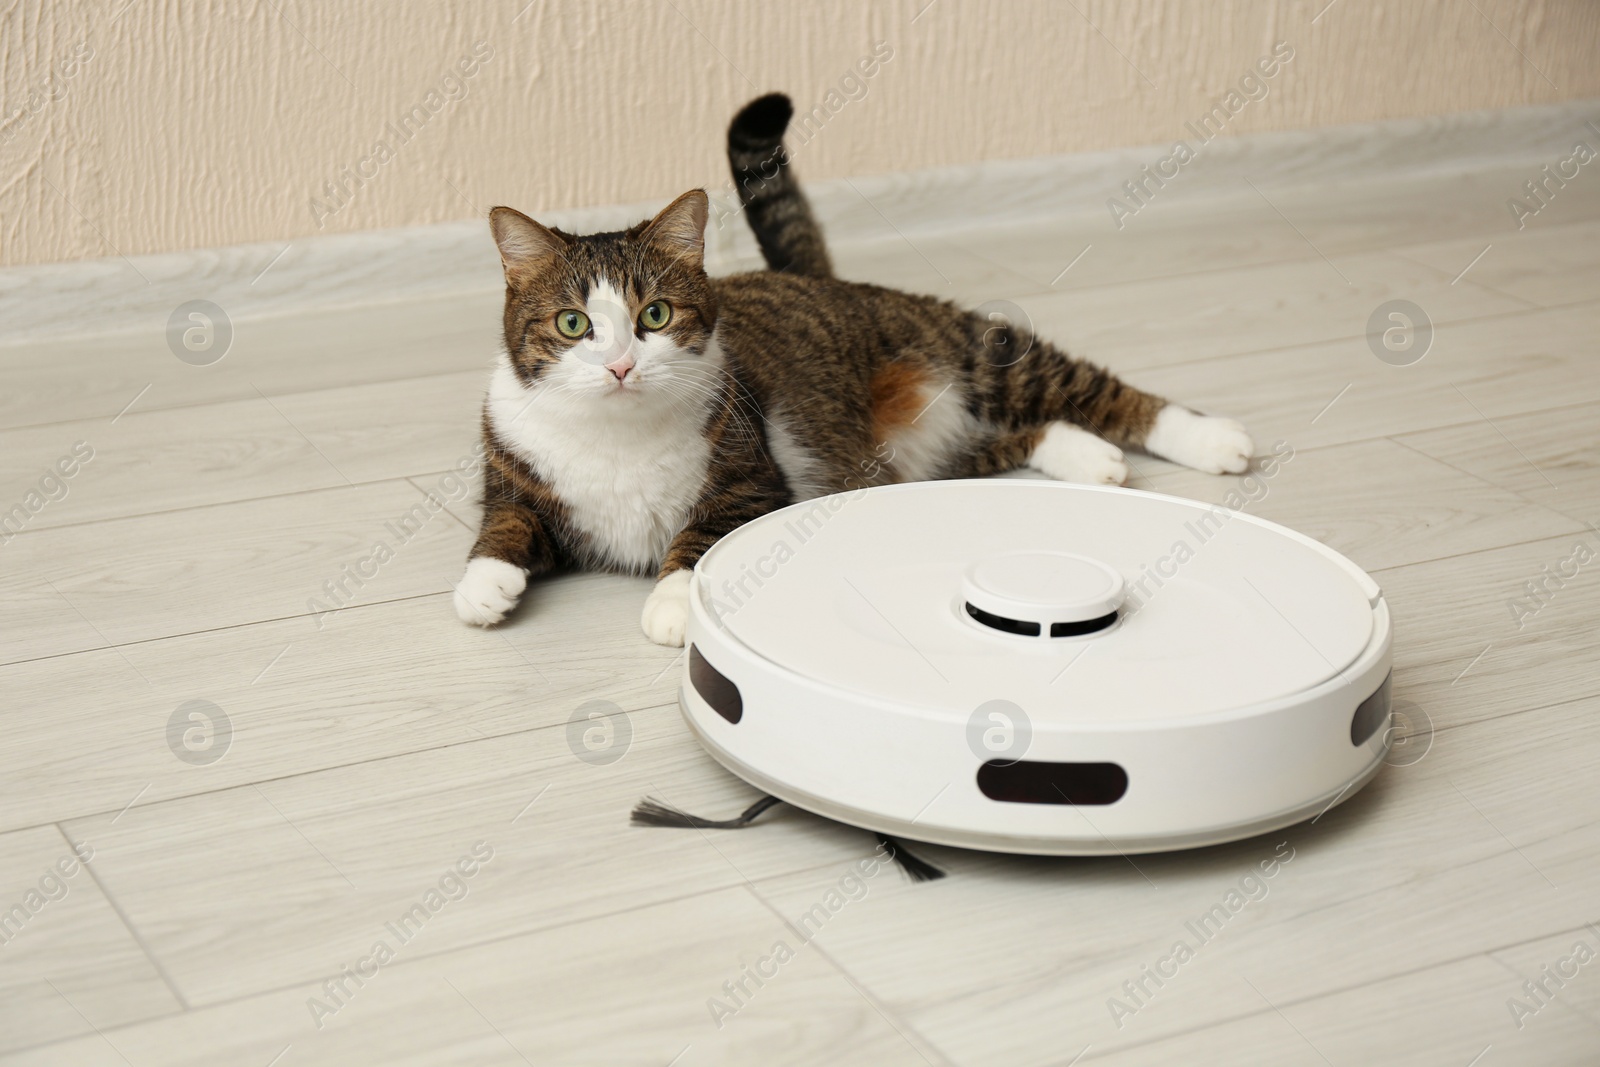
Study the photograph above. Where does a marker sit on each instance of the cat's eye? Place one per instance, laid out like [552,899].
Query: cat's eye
[572,324]
[655,315]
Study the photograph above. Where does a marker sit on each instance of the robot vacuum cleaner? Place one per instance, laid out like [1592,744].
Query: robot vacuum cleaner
[1037,667]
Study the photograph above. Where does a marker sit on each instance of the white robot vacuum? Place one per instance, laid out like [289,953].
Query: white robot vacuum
[1036,667]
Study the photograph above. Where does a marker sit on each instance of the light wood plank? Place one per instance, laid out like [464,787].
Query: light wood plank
[1545,264]
[384,430]
[1473,643]
[67,962]
[37,622]
[372,682]
[1430,205]
[247,561]
[162,460]
[1184,232]
[323,348]
[1379,503]
[1560,997]
[1178,236]
[153,461]
[549,997]
[1340,391]
[1550,457]
[1247,309]
[1447,1014]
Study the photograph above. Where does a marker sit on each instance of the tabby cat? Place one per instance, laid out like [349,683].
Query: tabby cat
[643,410]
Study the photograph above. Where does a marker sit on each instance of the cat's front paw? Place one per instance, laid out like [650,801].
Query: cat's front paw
[490,588]
[1205,442]
[666,610]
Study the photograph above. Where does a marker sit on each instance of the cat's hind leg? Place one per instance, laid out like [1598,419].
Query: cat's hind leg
[1124,415]
[1207,443]
[1050,385]
[1057,449]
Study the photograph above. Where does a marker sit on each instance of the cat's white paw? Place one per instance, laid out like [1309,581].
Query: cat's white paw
[1205,442]
[666,610]
[490,588]
[1073,454]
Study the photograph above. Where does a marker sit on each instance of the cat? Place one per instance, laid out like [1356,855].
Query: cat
[643,409]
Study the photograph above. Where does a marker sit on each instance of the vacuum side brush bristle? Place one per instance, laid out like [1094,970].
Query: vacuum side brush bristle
[652,812]
[919,870]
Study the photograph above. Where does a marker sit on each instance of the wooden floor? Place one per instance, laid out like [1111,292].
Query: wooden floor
[349,749]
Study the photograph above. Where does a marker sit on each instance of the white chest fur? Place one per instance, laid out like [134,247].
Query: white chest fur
[628,474]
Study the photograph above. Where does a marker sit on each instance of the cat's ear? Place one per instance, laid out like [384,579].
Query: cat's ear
[680,228]
[523,242]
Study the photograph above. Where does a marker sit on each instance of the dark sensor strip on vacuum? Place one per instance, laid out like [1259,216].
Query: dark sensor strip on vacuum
[1032,629]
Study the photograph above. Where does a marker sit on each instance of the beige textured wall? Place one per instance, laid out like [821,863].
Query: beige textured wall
[148,125]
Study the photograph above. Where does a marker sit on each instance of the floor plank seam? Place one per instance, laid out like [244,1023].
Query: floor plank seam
[471,529]
[1471,552]
[922,1045]
[114,647]
[127,923]
[1531,502]
[1527,304]
[1437,730]
[393,479]
[1566,1001]
[153,409]
[1216,1024]
[1399,439]
[1511,851]
[1473,320]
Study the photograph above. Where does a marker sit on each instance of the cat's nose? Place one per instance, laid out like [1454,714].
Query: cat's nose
[621,366]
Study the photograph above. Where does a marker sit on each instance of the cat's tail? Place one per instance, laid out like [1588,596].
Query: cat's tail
[773,203]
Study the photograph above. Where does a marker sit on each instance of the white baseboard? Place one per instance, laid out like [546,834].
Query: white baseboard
[259,280]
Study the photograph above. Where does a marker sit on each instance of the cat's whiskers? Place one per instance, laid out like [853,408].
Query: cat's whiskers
[695,401]
[687,403]
[738,406]
[743,405]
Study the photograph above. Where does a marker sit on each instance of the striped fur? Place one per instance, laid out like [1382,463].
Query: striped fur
[776,209]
